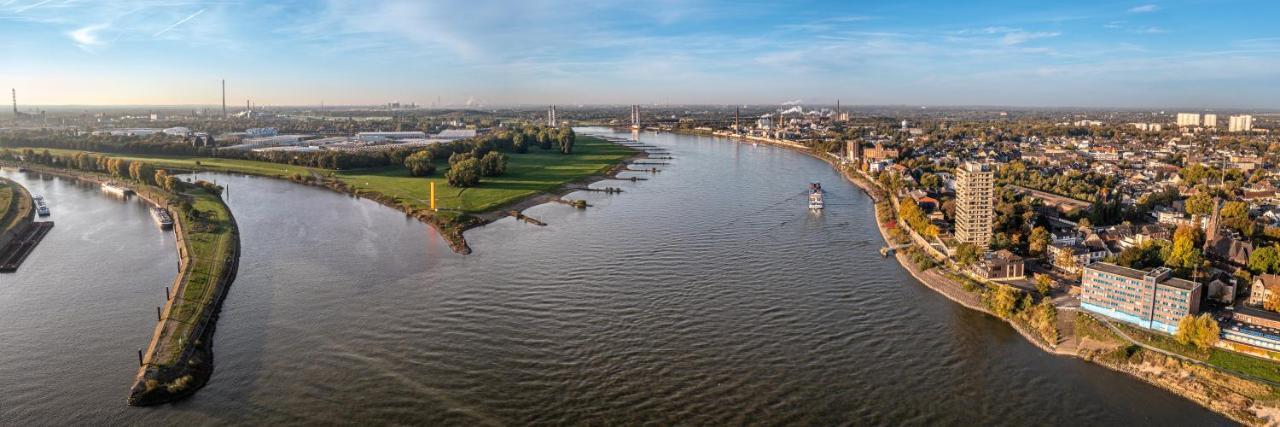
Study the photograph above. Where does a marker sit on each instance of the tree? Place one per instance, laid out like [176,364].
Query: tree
[1199,331]
[493,164]
[930,181]
[1272,302]
[1265,260]
[1185,253]
[566,140]
[1235,215]
[966,254]
[520,143]
[1004,301]
[1085,224]
[1199,204]
[420,163]
[1043,284]
[142,172]
[1038,241]
[161,179]
[464,173]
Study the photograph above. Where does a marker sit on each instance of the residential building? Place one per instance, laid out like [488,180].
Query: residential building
[1188,119]
[1211,120]
[1240,123]
[974,199]
[1000,265]
[1072,258]
[1264,286]
[1150,299]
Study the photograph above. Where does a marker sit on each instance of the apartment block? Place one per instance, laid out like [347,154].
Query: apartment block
[975,197]
[1149,299]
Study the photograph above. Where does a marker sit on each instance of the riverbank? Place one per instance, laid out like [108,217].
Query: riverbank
[531,178]
[1240,399]
[19,232]
[179,357]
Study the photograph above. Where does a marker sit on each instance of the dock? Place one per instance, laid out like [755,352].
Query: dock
[12,256]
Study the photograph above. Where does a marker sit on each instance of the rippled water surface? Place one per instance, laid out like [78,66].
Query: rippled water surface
[707,294]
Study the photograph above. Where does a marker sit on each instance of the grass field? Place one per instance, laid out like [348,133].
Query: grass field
[209,240]
[13,206]
[527,174]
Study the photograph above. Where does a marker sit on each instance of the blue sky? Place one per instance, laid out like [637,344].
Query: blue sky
[1190,53]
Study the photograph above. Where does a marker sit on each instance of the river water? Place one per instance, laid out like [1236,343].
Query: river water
[707,294]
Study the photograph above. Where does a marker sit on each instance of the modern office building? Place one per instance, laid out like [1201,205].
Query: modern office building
[1188,119]
[1211,120]
[975,195]
[1240,123]
[1149,299]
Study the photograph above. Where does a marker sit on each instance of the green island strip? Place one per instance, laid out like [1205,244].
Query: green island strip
[19,233]
[179,359]
[529,177]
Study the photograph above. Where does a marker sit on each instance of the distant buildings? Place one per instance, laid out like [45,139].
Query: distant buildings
[1188,119]
[1211,120]
[260,132]
[1151,299]
[974,199]
[383,136]
[1240,123]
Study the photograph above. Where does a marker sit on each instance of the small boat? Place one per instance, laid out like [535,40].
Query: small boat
[42,209]
[815,196]
[161,215]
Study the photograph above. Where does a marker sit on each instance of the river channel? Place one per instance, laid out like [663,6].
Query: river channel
[706,294]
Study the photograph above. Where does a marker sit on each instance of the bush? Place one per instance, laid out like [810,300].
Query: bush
[464,173]
[420,164]
[493,164]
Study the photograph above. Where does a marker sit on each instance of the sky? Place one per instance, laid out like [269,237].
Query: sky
[1141,54]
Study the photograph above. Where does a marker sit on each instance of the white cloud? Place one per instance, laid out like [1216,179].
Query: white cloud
[1014,38]
[1146,8]
[87,37]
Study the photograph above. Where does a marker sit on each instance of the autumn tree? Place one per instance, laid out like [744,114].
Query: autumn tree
[1185,252]
[420,163]
[1039,241]
[1199,331]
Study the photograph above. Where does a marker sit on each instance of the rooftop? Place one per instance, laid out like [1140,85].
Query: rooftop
[1141,275]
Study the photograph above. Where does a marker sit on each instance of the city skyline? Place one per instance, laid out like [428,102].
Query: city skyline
[1168,54]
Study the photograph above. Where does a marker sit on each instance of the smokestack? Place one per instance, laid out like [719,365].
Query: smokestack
[15,101]
[224,98]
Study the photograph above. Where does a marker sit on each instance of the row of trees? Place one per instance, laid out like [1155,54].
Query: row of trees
[139,171]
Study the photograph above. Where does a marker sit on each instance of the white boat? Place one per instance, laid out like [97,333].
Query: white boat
[42,209]
[815,196]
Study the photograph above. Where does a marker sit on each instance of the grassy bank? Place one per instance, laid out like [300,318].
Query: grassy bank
[14,206]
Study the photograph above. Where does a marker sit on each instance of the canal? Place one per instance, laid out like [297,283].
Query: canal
[707,294]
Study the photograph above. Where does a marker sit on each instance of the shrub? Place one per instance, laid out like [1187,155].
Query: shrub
[464,173]
[420,164]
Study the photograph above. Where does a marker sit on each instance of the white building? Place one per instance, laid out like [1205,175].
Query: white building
[1188,119]
[1240,123]
[177,131]
[452,134]
[383,136]
[1211,120]
[974,199]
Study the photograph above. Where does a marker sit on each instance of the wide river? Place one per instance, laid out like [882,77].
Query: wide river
[707,294]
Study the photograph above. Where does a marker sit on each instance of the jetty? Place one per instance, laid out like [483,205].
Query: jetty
[19,232]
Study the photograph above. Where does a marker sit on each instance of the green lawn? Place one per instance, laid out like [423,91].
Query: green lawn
[1260,368]
[209,241]
[13,206]
[527,174]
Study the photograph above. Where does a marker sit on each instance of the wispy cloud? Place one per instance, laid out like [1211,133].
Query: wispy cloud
[1146,8]
[1019,37]
[87,37]
[180,22]
[32,6]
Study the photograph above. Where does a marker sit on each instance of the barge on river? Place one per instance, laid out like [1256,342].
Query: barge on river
[162,217]
[42,208]
[815,196]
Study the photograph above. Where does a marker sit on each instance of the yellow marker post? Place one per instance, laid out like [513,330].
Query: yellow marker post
[433,196]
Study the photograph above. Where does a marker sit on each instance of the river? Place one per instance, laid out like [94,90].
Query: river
[707,294]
